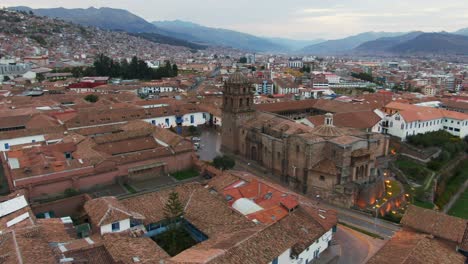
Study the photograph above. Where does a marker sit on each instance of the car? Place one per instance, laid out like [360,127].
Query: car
[197,145]
[195,139]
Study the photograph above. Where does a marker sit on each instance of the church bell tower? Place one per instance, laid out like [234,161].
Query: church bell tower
[237,108]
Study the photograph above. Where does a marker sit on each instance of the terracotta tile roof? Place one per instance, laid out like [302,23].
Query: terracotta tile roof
[55,230]
[408,247]
[413,113]
[93,255]
[359,120]
[124,249]
[107,210]
[25,245]
[295,231]
[464,243]
[431,222]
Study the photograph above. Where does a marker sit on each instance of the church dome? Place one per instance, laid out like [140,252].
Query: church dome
[327,131]
[237,78]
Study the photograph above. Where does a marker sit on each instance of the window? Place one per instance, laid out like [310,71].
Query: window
[278,154]
[115,226]
[402,126]
[297,148]
[33,141]
[7,146]
[457,130]
[167,121]
[192,119]
[322,178]
[153,122]
[275,261]
[241,102]
[248,101]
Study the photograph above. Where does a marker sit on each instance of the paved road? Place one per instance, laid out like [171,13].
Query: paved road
[356,247]
[210,142]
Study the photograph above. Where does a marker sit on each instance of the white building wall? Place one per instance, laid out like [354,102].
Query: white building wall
[307,255]
[398,127]
[199,118]
[20,141]
[124,225]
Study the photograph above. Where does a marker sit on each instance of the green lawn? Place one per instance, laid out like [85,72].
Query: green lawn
[413,170]
[129,188]
[453,184]
[185,174]
[460,208]
[423,204]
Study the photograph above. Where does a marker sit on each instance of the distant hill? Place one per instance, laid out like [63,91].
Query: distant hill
[109,19]
[344,45]
[463,31]
[218,36]
[293,44]
[431,43]
[382,45]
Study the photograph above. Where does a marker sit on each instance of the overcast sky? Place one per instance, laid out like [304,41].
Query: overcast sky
[300,19]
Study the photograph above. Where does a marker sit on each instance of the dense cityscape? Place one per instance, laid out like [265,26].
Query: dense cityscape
[127,141]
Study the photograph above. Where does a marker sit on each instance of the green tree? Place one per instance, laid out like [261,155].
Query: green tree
[6,79]
[193,130]
[92,98]
[173,209]
[224,162]
[243,60]
[175,70]
[40,77]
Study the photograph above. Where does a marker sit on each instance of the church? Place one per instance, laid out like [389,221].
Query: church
[339,165]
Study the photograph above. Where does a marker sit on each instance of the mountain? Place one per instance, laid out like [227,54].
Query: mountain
[433,43]
[382,45]
[217,36]
[294,44]
[111,19]
[463,31]
[344,45]
[65,41]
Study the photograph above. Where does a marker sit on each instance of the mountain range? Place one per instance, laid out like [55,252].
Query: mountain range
[197,36]
[416,43]
[218,36]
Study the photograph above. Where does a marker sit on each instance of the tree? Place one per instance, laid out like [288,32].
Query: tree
[175,70]
[92,98]
[224,162]
[193,130]
[6,79]
[40,77]
[243,60]
[173,209]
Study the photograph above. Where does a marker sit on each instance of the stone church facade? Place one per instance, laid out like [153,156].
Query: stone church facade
[339,165]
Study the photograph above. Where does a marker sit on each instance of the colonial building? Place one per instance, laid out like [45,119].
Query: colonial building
[339,164]
[405,120]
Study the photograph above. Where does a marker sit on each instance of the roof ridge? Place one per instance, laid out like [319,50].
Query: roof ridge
[109,208]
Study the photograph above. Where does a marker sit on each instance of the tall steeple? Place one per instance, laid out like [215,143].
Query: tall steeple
[237,107]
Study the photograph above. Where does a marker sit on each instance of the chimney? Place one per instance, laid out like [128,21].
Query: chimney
[328,119]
